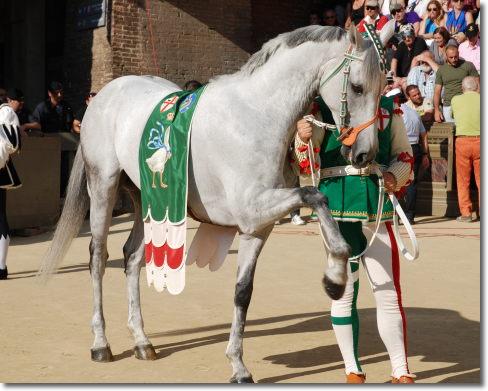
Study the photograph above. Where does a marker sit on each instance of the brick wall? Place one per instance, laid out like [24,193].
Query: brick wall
[192,39]
[87,57]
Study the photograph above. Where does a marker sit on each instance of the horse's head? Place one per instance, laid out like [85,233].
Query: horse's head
[363,86]
[9,133]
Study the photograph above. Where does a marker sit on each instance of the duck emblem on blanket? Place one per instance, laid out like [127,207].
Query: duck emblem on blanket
[163,152]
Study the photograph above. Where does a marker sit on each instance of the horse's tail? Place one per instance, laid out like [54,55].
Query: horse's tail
[74,211]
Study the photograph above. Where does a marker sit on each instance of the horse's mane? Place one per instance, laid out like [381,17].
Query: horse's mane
[317,34]
[291,40]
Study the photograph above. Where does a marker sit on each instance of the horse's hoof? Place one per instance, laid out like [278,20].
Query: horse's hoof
[145,352]
[102,354]
[333,290]
[241,379]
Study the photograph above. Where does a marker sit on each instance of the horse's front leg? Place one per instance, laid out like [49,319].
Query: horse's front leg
[249,249]
[270,205]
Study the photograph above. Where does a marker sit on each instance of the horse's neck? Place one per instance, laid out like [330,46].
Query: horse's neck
[285,86]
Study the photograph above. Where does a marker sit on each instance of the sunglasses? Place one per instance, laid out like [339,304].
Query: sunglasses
[432,9]
[396,11]
[455,1]
[330,17]
[369,8]
[91,95]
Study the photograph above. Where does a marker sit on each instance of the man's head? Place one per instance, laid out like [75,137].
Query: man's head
[413,93]
[471,33]
[452,55]
[3,95]
[192,85]
[425,66]
[55,91]
[314,17]
[372,9]
[398,12]
[89,97]
[470,84]
[441,36]
[407,33]
[15,98]
[458,4]
[330,18]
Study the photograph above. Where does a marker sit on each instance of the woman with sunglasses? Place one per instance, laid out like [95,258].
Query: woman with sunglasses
[434,20]
[455,21]
[442,40]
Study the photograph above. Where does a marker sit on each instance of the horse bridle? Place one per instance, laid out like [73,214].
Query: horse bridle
[348,134]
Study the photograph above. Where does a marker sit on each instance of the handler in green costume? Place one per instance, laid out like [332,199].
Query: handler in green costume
[353,200]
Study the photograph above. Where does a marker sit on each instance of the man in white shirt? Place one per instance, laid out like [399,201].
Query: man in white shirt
[416,133]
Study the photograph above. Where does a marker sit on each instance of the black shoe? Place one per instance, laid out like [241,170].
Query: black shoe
[3,273]
[412,222]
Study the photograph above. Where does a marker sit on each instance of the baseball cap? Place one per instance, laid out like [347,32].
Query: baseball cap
[54,86]
[15,94]
[472,30]
[373,3]
[396,7]
[406,30]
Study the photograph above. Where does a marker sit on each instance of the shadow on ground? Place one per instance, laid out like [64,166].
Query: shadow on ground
[438,335]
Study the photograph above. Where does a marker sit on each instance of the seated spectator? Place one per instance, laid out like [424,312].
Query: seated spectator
[15,98]
[470,50]
[330,18]
[423,75]
[81,113]
[419,7]
[3,95]
[403,18]
[455,21]
[434,20]
[450,76]
[373,17]
[442,40]
[423,106]
[467,113]
[315,18]
[192,85]
[407,50]
[354,13]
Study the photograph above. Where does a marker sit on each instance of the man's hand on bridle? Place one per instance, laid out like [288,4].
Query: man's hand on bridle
[390,182]
[305,130]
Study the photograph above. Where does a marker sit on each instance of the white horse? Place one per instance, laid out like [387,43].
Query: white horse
[239,170]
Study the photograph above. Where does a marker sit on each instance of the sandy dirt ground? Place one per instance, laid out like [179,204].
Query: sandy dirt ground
[45,334]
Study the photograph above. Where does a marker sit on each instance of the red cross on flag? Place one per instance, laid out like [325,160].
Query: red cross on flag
[168,104]
[383,119]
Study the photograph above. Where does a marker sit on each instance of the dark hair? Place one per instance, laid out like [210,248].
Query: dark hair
[192,85]
[315,12]
[442,31]
[410,88]
[394,41]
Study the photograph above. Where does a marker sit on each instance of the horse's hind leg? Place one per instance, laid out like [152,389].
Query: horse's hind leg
[134,258]
[103,193]
[249,250]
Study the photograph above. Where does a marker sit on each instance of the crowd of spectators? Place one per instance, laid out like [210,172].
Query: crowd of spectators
[434,60]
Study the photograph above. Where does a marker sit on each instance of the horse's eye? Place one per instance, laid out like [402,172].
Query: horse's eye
[357,89]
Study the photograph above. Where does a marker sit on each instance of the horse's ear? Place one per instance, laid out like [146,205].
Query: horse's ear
[355,38]
[387,32]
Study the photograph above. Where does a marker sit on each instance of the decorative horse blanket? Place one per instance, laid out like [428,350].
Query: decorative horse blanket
[163,165]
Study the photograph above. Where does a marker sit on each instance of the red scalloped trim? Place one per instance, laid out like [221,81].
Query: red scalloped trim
[303,149]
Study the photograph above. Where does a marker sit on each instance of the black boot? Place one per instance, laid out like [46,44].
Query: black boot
[3,273]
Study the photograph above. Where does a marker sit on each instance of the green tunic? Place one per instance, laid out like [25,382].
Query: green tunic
[354,198]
